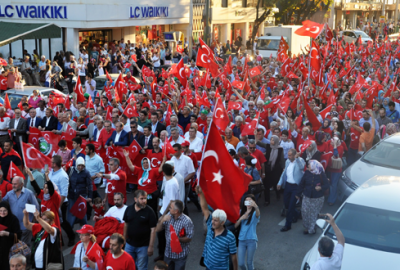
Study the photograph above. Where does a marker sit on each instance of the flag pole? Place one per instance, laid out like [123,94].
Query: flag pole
[205,144]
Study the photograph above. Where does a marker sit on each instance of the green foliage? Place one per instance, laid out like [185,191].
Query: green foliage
[301,10]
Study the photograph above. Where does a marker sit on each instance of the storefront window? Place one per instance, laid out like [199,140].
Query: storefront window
[100,36]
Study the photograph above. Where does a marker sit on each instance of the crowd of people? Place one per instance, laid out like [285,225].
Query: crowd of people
[304,135]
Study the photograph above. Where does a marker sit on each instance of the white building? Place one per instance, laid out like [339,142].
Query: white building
[105,21]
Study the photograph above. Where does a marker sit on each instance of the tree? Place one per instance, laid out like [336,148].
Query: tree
[261,17]
[301,10]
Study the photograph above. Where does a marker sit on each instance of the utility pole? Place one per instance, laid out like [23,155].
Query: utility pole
[190,38]
[396,14]
[207,16]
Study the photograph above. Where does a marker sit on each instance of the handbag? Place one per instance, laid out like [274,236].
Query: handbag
[255,189]
[19,247]
[326,192]
[53,266]
[337,163]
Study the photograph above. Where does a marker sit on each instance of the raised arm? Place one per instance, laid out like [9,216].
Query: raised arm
[203,202]
[128,161]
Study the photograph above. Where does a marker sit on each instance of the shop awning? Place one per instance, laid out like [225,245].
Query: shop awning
[11,32]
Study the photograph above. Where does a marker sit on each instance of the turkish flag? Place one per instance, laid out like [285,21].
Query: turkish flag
[127,65]
[33,158]
[326,159]
[222,182]
[108,76]
[7,104]
[3,83]
[355,114]
[254,72]
[232,105]
[167,148]
[175,244]
[34,135]
[134,149]
[78,91]
[79,208]
[52,139]
[283,46]
[285,69]
[90,104]
[305,145]
[360,82]
[311,116]
[205,58]
[69,134]
[220,116]
[249,128]
[238,84]
[310,29]
[228,66]
[179,72]
[130,111]
[328,33]
[291,75]
[325,111]
[14,171]
[168,115]
[179,48]
[315,61]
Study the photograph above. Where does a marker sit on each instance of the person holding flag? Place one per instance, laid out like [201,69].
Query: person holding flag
[87,252]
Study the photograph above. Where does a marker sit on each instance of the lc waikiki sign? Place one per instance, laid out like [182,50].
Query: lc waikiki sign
[148,12]
[34,12]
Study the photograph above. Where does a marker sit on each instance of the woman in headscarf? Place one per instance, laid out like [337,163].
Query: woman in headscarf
[50,198]
[312,186]
[337,149]
[146,179]
[87,251]
[385,104]
[274,166]
[311,152]
[9,229]
[34,99]
[326,127]
[320,140]
[391,129]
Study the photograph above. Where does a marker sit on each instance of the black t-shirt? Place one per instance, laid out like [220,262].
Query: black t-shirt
[139,225]
[5,163]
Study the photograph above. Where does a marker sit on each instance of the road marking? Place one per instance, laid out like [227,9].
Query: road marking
[282,223]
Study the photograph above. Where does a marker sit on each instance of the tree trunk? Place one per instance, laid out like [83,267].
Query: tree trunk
[259,20]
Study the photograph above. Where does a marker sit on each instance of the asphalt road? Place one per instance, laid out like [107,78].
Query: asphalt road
[275,251]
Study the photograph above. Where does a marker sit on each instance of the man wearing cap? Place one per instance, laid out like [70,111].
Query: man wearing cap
[202,120]
[80,184]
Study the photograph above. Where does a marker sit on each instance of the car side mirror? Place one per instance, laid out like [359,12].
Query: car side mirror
[321,223]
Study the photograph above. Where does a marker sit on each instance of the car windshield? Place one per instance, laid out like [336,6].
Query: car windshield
[362,34]
[384,154]
[268,44]
[369,227]
[14,99]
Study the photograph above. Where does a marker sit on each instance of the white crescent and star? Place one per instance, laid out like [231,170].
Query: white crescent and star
[221,115]
[84,206]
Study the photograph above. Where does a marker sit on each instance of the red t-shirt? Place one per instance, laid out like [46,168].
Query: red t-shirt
[242,163]
[150,184]
[104,136]
[5,187]
[114,186]
[53,204]
[98,211]
[155,161]
[354,138]
[201,123]
[36,227]
[123,262]
[259,156]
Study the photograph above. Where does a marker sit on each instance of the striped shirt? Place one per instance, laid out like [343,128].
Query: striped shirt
[183,227]
[218,249]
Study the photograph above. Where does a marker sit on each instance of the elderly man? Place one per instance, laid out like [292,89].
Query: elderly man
[290,180]
[174,123]
[244,140]
[175,137]
[218,236]
[18,197]
[29,73]
[66,118]
[198,134]
[92,127]
[196,144]
[4,126]
[33,120]
[18,262]
[237,130]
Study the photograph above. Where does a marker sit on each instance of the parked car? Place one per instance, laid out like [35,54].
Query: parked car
[101,80]
[350,36]
[15,95]
[382,158]
[369,220]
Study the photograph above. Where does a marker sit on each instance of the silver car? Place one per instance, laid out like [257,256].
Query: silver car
[350,36]
[369,220]
[382,159]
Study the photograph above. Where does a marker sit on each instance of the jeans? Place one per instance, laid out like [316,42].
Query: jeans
[70,217]
[250,246]
[352,156]
[289,197]
[64,224]
[175,264]
[139,255]
[333,188]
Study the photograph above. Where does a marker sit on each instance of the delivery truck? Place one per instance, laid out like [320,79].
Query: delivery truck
[268,44]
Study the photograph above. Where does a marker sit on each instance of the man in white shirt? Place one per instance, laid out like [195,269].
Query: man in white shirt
[196,144]
[330,256]
[117,211]
[175,137]
[170,188]
[41,110]
[4,126]
[90,86]
[198,134]
[179,179]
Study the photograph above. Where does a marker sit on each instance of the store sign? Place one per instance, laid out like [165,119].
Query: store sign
[148,12]
[34,12]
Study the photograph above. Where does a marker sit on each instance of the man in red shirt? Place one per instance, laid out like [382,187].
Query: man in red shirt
[259,156]
[117,258]
[5,186]
[116,181]
[105,133]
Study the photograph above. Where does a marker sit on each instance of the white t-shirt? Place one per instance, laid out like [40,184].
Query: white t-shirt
[117,213]
[87,87]
[48,78]
[196,145]
[81,68]
[39,251]
[332,263]
[156,61]
[181,184]
[170,192]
